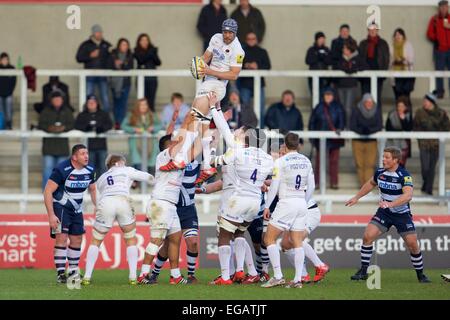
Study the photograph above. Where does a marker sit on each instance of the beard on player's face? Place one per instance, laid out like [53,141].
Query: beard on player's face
[228,37]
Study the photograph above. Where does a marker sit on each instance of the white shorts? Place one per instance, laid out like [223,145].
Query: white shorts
[114,208]
[290,214]
[240,209]
[312,219]
[212,85]
[162,215]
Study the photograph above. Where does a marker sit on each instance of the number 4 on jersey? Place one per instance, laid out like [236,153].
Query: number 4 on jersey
[253,176]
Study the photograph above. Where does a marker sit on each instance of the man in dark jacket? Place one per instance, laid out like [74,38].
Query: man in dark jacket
[366,119]
[284,115]
[429,118]
[375,51]
[338,43]
[93,119]
[54,84]
[210,20]
[7,85]
[249,19]
[318,57]
[242,114]
[439,33]
[94,54]
[55,118]
[350,62]
[256,58]
[328,115]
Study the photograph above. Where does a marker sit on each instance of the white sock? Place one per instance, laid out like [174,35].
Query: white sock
[305,270]
[175,273]
[91,258]
[290,254]
[224,259]
[232,267]
[145,269]
[312,255]
[206,141]
[299,261]
[274,256]
[249,260]
[239,247]
[132,258]
[182,155]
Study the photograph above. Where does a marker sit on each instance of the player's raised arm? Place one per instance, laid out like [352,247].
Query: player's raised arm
[210,187]
[220,121]
[50,188]
[365,189]
[141,176]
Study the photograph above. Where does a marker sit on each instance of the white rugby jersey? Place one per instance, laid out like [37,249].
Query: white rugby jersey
[293,171]
[246,170]
[224,56]
[168,183]
[117,181]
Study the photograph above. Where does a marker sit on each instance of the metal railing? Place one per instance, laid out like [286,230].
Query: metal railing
[24,135]
[24,197]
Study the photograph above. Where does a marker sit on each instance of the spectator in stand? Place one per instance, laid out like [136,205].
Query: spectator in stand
[241,113]
[7,85]
[375,51]
[141,119]
[249,19]
[328,115]
[318,57]
[402,59]
[210,20]
[366,119]
[429,118]
[284,115]
[122,59]
[176,110]
[94,54]
[53,84]
[146,55]
[338,43]
[439,33]
[350,62]
[400,119]
[94,119]
[256,58]
[56,118]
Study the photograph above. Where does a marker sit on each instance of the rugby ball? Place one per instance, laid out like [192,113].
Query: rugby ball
[197,65]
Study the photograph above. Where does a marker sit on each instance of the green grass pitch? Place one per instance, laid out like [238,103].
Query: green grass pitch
[112,284]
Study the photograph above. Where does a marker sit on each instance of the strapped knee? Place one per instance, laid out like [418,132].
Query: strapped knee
[190,233]
[228,226]
[130,234]
[158,233]
[98,235]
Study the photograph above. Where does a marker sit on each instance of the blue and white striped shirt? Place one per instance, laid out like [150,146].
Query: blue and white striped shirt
[391,184]
[187,192]
[71,183]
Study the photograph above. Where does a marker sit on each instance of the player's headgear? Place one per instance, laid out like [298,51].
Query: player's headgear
[230,25]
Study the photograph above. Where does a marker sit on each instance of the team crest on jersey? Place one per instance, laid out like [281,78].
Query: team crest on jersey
[239,58]
[408,179]
[72,177]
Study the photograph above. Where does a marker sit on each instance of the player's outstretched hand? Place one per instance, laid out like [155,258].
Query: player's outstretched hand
[266,214]
[351,202]
[54,222]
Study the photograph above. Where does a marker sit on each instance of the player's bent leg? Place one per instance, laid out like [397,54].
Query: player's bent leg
[372,232]
[416,255]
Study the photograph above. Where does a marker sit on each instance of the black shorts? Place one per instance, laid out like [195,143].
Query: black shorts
[384,219]
[256,229]
[188,217]
[72,222]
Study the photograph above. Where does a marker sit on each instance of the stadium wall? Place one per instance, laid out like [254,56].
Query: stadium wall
[38,33]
